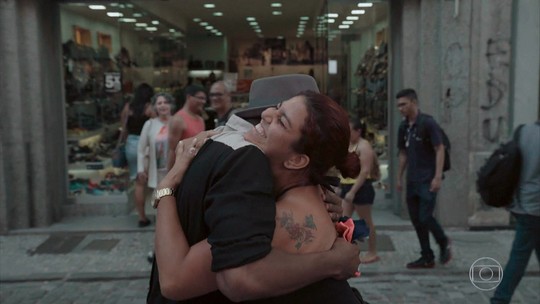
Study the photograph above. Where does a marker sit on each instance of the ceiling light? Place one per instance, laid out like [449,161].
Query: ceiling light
[209,5]
[257,31]
[365,4]
[151,29]
[141,24]
[137,15]
[203,23]
[304,18]
[358,12]
[129,5]
[219,34]
[97,7]
[114,14]
[253,23]
[196,19]
[275,4]
[250,18]
[348,22]
[209,27]
[113,4]
[332,15]
[172,30]
[344,26]
[155,22]
[302,22]
[331,20]
[218,14]
[279,37]
[275,13]
[352,17]
[127,20]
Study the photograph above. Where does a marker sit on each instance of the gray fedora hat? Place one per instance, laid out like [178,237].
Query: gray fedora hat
[269,91]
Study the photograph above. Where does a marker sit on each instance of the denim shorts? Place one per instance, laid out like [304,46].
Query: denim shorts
[132,143]
[364,196]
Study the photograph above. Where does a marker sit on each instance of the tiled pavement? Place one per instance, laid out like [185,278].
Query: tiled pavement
[105,262]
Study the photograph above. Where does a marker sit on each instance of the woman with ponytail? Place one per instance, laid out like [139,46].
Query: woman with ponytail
[358,194]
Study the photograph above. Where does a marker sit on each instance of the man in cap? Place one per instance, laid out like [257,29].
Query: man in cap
[231,182]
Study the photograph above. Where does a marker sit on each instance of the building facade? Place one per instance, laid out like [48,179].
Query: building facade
[475,65]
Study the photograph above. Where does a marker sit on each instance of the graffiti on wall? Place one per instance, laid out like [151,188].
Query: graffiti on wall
[498,60]
[455,80]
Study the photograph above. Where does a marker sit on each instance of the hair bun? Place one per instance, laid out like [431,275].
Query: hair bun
[350,166]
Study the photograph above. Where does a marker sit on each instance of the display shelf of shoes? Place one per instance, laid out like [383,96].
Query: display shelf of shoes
[98,191]
[95,185]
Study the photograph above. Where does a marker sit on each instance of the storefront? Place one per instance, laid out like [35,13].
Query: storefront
[108,49]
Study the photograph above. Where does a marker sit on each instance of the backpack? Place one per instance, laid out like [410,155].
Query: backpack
[498,178]
[426,139]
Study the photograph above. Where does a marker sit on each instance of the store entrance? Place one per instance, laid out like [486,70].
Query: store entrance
[110,49]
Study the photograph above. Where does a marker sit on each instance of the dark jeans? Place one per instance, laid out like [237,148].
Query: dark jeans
[526,240]
[421,203]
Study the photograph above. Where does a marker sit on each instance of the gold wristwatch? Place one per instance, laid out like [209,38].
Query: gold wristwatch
[159,193]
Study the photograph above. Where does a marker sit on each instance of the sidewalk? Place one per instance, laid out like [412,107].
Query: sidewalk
[93,254]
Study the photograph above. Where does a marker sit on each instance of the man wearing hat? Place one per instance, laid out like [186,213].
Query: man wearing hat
[231,181]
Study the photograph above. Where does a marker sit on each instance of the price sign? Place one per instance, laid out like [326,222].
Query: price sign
[112,82]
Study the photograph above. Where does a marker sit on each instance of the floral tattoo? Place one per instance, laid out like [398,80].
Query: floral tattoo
[300,233]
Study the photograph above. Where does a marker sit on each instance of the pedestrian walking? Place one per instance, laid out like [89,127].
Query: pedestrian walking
[421,151]
[526,209]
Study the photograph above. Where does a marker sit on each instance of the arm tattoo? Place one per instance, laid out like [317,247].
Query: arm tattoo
[301,234]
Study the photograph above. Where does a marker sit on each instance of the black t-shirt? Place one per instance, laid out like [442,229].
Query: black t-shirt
[226,196]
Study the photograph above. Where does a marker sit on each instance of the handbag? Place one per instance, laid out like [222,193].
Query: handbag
[119,159]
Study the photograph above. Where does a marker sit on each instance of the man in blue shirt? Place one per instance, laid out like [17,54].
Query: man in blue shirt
[421,150]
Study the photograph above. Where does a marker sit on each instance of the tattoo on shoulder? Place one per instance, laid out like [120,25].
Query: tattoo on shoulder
[300,233]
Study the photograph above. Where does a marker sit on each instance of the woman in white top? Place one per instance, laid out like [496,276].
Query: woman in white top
[153,142]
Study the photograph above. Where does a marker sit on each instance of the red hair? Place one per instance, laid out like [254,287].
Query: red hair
[325,138]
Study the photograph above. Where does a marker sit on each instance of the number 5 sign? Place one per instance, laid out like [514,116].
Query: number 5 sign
[112,82]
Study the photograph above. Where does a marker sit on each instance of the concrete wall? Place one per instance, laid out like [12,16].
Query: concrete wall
[33,174]
[526,56]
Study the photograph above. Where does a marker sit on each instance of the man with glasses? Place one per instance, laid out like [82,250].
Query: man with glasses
[220,100]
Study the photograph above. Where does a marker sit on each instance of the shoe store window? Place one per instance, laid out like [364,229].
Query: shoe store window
[108,50]
[358,36]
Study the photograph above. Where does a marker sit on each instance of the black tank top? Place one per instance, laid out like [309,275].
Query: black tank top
[135,124]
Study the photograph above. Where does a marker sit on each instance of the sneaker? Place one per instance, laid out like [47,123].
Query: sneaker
[446,254]
[423,262]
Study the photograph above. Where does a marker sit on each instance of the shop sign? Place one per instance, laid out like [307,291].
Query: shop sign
[112,82]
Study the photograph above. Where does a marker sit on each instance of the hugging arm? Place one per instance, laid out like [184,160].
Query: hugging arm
[280,273]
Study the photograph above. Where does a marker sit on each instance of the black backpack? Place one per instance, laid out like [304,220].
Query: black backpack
[426,139]
[498,178]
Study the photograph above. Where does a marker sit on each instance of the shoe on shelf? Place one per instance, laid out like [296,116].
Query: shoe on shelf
[145,223]
[446,253]
[423,262]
